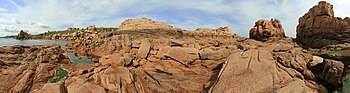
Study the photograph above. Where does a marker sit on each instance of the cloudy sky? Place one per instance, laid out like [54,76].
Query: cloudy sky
[37,16]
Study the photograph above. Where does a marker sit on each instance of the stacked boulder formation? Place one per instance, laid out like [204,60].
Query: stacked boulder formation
[318,27]
[263,30]
[217,31]
[328,37]
[91,28]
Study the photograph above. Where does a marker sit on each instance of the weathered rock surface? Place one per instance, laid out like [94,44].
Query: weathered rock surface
[246,68]
[333,71]
[81,86]
[150,57]
[51,88]
[220,30]
[255,71]
[318,27]
[23,35]
[144,49]
[264,29]
[328,36]
[27,68]
[183,55]
[144,23]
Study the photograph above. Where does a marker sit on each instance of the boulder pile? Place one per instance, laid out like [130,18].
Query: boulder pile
[264,30]
[27,68]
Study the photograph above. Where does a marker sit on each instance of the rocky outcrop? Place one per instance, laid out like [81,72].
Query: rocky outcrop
[264,30]
[91,28]
[318,27]
[51,88]
[155,60]
[329,37]
[144,23]
[27,68]
[217,31]
[153,57]
[40,54]
[297,70]
[23,35]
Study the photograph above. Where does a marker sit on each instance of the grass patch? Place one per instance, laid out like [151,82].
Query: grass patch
[56,32]
[161,71]
[151,76]
[50,33]
[134,75]
[60,73]
[102,29]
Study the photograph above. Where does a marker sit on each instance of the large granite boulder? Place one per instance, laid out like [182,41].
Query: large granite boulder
[256,71]
[145,23]
[318,27]
[264,29]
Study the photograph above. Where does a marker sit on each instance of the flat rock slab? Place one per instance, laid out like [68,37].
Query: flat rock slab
[183,55]
[247,72]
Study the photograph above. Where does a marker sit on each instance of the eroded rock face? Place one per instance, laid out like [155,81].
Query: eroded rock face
[264,29]
[318,27]
[23,35]
[220,31]
[147,61]
[27,68]
[333,71]
[144,23]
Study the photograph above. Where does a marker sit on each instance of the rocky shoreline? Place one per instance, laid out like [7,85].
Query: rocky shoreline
[148,56]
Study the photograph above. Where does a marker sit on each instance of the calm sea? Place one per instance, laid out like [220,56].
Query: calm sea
[11,41]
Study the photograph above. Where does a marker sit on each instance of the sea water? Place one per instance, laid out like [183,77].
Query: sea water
[11,41]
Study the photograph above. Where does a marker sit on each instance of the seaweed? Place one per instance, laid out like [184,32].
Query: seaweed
[151,76]
[161,71]
[60,73]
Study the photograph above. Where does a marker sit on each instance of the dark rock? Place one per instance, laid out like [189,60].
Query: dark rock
[333,71]
[23,35]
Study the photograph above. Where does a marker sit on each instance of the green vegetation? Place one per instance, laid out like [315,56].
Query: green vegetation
[56,32]
[346,84]
[151,76]
[134,75]
[60,73]
[161,71]
[102,29]
[49,33]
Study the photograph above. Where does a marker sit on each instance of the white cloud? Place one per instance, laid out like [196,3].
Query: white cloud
[3,10]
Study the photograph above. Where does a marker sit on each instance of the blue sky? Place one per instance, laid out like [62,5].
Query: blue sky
[37,16]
